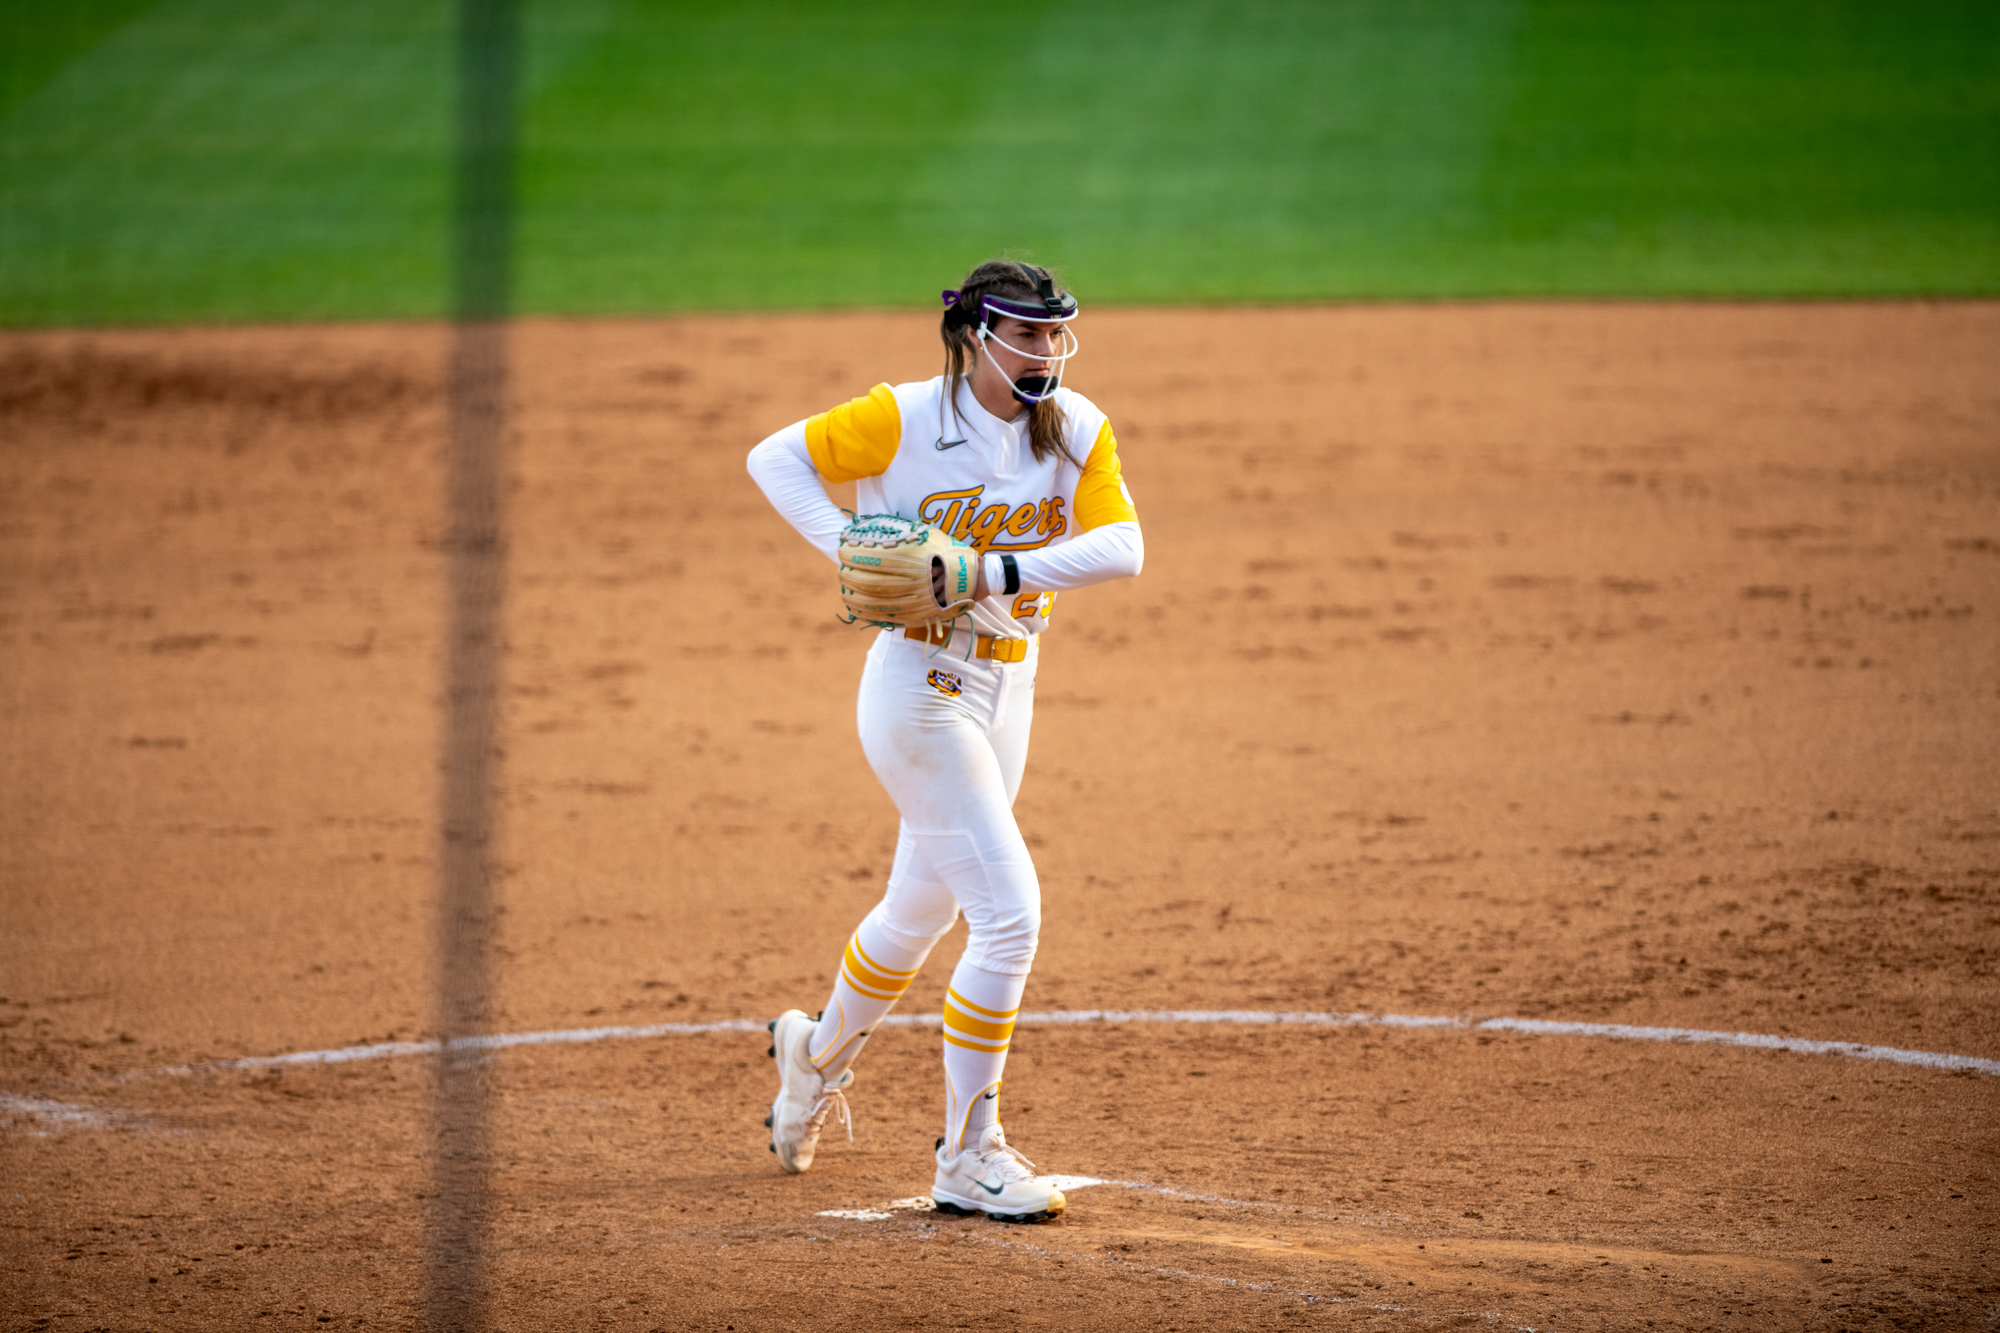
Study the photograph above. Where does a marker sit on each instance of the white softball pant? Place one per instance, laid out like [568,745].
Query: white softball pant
[948,738]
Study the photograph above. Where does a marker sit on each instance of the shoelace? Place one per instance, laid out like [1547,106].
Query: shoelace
[834,1100]
[1006,1161]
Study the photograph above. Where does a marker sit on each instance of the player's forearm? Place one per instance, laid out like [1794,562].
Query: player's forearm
[1114,551]
[783,468]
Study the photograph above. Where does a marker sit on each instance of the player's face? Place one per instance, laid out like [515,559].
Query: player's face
[1025,347]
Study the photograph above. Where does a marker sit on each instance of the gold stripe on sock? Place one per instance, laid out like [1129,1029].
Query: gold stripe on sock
[990,1036]
[972,1027]
[861,974]
[982,1047]
[854,943]
[971,1008]
[847,975]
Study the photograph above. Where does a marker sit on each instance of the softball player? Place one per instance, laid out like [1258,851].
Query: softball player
[996,452]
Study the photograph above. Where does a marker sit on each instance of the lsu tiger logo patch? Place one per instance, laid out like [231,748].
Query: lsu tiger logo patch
[945,682]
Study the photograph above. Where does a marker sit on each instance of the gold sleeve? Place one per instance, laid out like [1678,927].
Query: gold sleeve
[857,439]
[1101,496]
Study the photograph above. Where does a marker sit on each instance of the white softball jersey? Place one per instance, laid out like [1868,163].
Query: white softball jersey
[955,465]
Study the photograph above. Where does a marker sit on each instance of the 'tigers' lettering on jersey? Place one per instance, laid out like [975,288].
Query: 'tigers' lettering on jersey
[959,513]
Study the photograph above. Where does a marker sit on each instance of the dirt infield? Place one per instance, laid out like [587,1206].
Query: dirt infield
[1619,664]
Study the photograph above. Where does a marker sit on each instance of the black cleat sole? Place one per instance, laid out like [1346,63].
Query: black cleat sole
[953,1210]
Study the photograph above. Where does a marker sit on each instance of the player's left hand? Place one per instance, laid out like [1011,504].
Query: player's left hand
[978,580]
[896,572]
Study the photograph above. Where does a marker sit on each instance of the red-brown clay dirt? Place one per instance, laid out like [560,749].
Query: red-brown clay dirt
[1633,664]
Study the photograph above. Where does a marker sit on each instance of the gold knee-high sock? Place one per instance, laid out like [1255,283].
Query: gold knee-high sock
[874,973]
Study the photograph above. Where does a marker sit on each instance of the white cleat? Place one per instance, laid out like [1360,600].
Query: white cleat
[996,1180]
[804,1098]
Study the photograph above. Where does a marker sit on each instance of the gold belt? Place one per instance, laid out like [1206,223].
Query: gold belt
[987,647]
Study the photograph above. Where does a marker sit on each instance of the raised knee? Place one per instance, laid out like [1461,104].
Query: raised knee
[920,929]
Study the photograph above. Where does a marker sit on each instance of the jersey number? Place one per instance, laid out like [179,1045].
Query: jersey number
[1031,604]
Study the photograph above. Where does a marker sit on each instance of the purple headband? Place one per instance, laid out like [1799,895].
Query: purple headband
[1048,307]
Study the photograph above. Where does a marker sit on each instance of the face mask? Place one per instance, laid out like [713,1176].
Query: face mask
[1033,388]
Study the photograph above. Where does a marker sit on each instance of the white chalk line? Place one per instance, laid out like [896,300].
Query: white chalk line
[1106,1017]
[54,1115]
[923,1204]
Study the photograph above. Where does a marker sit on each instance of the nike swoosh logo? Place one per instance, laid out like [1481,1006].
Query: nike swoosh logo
[944,444]
[991,1189]
[991,1095]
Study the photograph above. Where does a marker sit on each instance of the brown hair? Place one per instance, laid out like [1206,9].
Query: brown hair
[1015,281]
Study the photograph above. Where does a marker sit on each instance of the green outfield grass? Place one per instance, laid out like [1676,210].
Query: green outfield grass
[221,159]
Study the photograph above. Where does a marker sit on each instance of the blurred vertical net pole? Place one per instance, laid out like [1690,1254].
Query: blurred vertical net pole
[458,1269]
